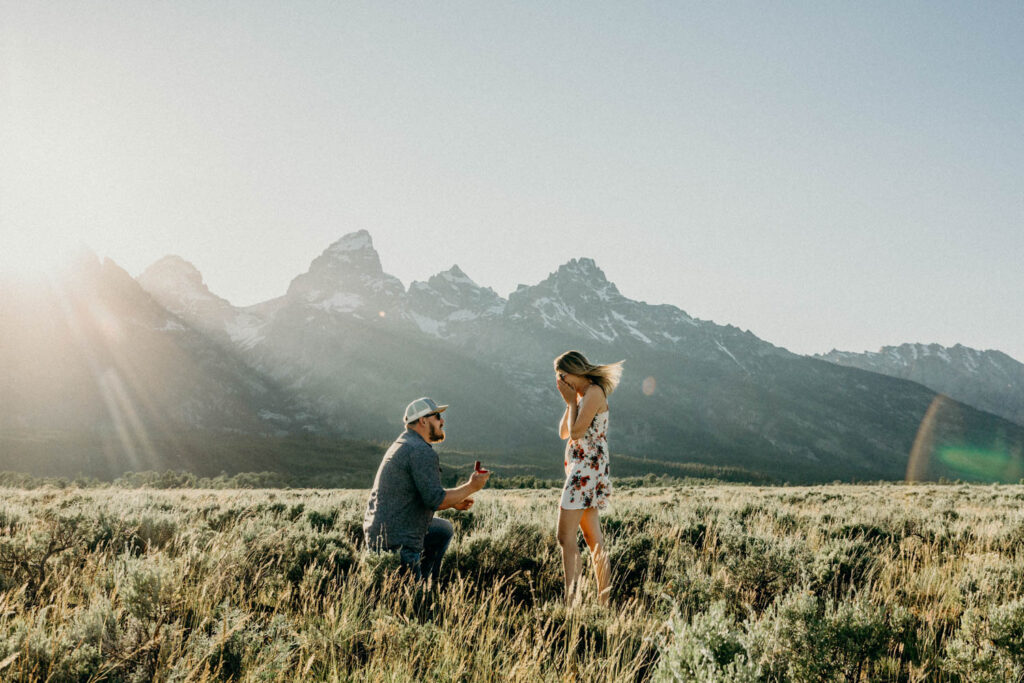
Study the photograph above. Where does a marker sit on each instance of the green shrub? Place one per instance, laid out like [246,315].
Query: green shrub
[524,557]
[334,555]
[840,564]
[150,588]
[614,526]
[803,638]
[320,520]
[155,533]
[989,645]
[463,522]
[762,568]
[708,647]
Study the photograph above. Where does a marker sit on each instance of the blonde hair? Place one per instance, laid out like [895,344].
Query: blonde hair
[605,376]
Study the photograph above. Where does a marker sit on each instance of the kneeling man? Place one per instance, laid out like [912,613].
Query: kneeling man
[407,491]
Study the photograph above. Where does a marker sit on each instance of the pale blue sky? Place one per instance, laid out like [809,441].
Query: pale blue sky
[824,174]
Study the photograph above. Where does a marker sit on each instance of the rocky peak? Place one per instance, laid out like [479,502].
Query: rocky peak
[455,280]
[178,286]
[989,380]
[354,251]
[585,269]
[456,276]
[176,268]
[348,278]
[579,281]
[173,273]
[450,296]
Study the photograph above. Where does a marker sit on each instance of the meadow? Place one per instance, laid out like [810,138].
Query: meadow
[713,582]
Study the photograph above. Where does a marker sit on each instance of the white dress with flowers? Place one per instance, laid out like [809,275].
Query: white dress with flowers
[587,483]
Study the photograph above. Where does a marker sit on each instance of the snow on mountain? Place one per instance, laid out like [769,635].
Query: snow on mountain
[350,340]
[578,299]
[348,278]
[988,380]
[449,299]
[178,286]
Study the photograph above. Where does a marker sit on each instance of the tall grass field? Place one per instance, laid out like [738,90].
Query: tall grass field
[711,583]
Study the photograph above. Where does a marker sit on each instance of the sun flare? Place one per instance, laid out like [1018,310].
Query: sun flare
[25,258]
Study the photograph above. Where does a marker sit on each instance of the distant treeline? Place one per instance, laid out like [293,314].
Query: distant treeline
[208,460]
[274,480]
[158,480]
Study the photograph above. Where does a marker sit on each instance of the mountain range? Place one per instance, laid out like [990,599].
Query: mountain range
[342,351]
[988,380]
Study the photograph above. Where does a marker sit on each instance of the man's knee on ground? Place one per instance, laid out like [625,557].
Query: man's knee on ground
[441,528]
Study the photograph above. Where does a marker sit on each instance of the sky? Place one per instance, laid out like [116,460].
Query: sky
[824,174]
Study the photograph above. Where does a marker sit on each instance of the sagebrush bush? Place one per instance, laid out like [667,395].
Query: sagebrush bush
[523,557]
[989,645]
[841,564]
[709,647]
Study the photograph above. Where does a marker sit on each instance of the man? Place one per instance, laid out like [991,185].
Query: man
[407,491]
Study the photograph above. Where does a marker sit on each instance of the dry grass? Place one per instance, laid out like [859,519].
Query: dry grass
[712,582]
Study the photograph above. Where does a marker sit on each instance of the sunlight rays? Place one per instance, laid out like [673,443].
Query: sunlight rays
[99,336]
[131,432]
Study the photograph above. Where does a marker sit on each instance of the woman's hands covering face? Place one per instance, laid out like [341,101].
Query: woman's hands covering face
[566,390]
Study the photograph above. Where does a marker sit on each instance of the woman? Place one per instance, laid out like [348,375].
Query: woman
[585,388]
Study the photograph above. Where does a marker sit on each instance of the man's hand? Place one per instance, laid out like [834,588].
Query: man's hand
[478,480]
[457,497]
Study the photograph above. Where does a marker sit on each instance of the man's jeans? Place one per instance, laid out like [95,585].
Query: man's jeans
[435,543]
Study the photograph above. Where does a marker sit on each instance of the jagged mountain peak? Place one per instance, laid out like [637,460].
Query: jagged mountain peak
[584,268]
[579,280]
[911,352]
[174,266]
[990,380]
[178,285]
[348,278]
[454,279]
[450,297]
[456,274]
[360,240]
[353,251]
[87,271]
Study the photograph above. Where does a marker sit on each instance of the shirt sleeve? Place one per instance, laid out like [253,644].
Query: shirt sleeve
[426,474]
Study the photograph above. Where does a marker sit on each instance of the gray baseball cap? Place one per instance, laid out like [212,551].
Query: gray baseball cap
[420,407]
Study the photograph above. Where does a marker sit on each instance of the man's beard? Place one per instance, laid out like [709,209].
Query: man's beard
[436,434]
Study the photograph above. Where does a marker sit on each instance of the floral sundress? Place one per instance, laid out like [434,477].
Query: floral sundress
[587,483]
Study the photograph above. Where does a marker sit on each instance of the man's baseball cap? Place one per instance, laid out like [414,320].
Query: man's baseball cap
[421,407]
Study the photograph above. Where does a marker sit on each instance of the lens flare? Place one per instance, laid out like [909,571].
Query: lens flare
[980,463]
[942,448]
[649,386]
[920,454]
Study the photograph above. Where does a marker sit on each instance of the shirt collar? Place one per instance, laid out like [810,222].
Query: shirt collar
[410,436]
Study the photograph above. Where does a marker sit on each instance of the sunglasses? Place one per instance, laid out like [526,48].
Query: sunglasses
[437,415]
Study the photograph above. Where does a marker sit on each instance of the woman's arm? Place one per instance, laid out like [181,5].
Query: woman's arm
[569,416]
[592,402]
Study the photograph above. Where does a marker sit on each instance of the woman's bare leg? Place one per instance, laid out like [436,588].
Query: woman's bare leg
[568,522]
[591,525]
